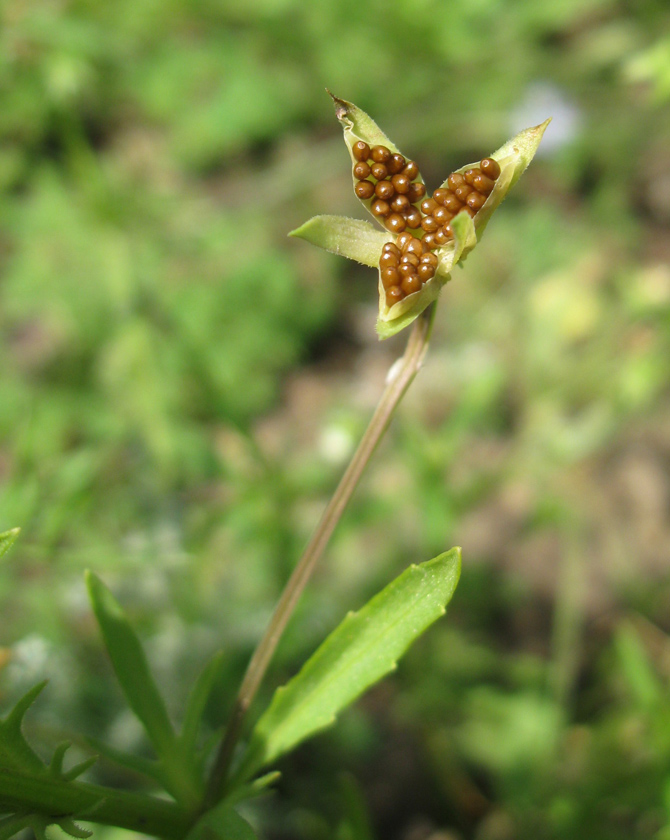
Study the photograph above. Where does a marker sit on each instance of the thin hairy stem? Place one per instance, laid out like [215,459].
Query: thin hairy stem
[400,376]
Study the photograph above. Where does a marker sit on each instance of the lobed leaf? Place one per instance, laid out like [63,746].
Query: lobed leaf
[15,752]
[364,648]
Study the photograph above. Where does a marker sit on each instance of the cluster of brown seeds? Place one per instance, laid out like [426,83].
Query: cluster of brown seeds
[387,180]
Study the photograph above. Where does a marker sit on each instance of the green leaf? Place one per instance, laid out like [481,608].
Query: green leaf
[131,667]
[7,539]
[364,648]
[15,752]
[345,237]
[222,823]
[197,701]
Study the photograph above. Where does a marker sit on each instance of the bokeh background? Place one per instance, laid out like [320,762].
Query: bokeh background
[181,386]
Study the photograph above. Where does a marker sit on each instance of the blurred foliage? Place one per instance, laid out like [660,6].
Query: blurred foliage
[181,386]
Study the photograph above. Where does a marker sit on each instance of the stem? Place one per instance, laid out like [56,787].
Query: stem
[398,380]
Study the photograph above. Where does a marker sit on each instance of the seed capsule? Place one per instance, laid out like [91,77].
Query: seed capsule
[425,272]
[429,206]
[384,189]
[401,183]
[380,154]
[395,223]
[413,218]
[442,215]
[364,190]
[380,207]
[390,277]
[411,284]
[490,168]
[416,192]
[401,204]
[379,171]
[361,150]
[411,170]
[393,295]
[396,164]
[403,240]
[429,224]
[476,200]
[361,170]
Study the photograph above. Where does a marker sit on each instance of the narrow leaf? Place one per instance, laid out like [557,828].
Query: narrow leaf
[10,826]
[222,823]
[364,648]
[197,701]
[7,539]
[137,764]
[346,237]
[131,667]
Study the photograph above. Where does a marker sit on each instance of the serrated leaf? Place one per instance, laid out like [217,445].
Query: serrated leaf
[364,648]
[15,752]
[351,238]
[7,540]
[70,827]
[131,667]
[195,707]
[222,823]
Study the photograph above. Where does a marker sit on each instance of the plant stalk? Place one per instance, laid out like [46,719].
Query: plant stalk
[398,380]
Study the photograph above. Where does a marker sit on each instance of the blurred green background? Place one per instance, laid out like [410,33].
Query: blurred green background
[180,388]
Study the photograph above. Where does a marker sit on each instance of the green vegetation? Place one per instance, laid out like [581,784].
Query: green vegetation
[177,378]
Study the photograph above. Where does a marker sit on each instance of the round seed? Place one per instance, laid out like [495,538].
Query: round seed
[361,170]
[380,207]
[411,170]
[380,154]
[390,248]
[401,183]
[415,247]
[470,174]
[396,164]
[409,258]
[401,204]
[390,277]
[442,237]
[416,192]
[476,200]
[403,240]
[364,190]
[361,150]
[411,284]
[428,259]
[451,203]
[455,180]
[395,223]
[442,215]
[384,189]
[440,195]
[406,270]
[413,218]
[429,241]
[429,206]
[462,192]
[483,184]
[429,224]
[491,168]
[469,210]
[388,260]
[425,272]
[393,295]
[379,171]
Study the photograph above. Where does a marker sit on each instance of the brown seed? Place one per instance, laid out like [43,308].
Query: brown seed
[415,247]
[390,277]
[411,170]
[483,184]
[401,183]
[380,154]
[463,192]
[442,237]
[469,210]
[429,259]
[455,180]
[413,218]
[384,189]
[380,207]
[470,174]
[403,240]
[429,206]
[442,215]
[388,260]
[364,190]
[409,258]
[440,195]
[451,203]
[406,269]
[396,164]
[416,192]
[411,284]
[390,248]
[393,295]
[425,272]
[361,150]
[361,170]
[429,224]
[491,168]
[429,241]
[448,230]
[401,204]
[379,171]
[395,223]
[476,200]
